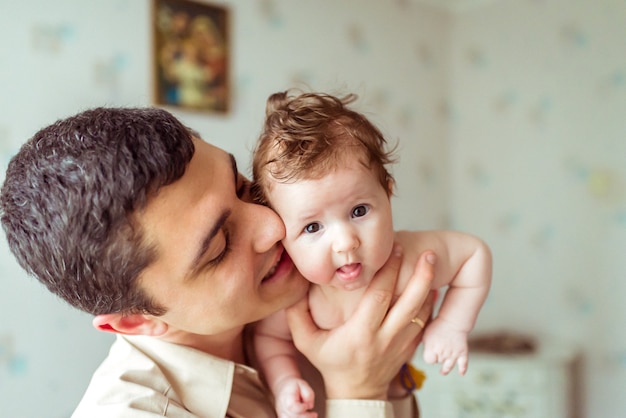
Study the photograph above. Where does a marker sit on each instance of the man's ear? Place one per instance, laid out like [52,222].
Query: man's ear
[133,324]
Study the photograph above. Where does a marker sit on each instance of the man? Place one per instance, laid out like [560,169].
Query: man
[130,216]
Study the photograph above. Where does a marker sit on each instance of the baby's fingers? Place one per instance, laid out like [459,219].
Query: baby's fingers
[430,357]
[462,363]
[447,366]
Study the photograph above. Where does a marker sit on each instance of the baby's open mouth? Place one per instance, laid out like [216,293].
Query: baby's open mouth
[349,272]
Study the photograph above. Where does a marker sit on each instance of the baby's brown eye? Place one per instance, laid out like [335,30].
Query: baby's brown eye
[312,228]
[359,211]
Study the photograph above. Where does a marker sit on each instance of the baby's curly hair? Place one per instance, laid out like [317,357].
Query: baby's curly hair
[308,135]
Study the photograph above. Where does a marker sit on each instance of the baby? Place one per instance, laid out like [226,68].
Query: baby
[323,168]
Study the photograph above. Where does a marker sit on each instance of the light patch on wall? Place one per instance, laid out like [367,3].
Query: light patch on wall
[425,55]
[578,301]
[508,221]
[456,6]
[542,236]
[122,5]
[402,4]
[540,111]
[426,172]
[270,13]
[18,365]
[6,349]
[479,175]
[448,111]
[573,34]
[600,183]
[7,150]
[505,101]
[356,37]
[302,79]
[51,37]
[11,361]
[107,72]
[613,82]
[244,83]
[618,78]
[380,100]
[476,57]
[614,360]
[406,115]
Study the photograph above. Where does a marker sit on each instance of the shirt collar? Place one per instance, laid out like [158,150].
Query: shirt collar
[202,382]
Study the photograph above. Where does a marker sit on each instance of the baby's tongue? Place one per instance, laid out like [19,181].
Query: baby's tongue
[350,268]
[349,272]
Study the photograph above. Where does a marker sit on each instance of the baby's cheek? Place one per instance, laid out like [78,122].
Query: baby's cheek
[312,264]
[382,253]
[317,273]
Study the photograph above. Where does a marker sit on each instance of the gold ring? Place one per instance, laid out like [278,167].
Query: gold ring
[418,321]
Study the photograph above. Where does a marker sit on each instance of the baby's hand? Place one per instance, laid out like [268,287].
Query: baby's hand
[294,399]
[446,345]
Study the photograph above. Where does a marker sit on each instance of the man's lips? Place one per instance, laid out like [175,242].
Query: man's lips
[282,265]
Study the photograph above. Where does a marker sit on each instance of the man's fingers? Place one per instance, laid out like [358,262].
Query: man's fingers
[414,301]
[373,307]
[425,312]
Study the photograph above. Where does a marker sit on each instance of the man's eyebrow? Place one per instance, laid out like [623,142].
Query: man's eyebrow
[206,242]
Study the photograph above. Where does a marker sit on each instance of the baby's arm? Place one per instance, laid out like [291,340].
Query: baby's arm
[276,354]
[465,267]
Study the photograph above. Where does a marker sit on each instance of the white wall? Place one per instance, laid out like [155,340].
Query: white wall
[538,168]
[510,118]
[64,56]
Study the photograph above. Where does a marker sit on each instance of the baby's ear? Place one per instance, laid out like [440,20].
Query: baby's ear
[133,324]
[390,185]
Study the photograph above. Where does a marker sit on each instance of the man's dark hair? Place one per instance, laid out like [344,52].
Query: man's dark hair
[70,196]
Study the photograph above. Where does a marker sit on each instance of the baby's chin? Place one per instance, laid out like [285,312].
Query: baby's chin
[350,287]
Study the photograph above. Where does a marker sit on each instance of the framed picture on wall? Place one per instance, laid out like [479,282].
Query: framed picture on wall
[191,55]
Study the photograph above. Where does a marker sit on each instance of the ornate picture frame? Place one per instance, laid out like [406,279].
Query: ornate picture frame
[191,55]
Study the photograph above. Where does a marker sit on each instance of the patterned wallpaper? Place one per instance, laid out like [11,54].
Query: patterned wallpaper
[510,121]
[538,148]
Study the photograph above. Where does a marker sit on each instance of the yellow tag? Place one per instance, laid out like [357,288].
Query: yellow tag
[412,378]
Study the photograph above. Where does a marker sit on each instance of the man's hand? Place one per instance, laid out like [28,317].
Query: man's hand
[360,358]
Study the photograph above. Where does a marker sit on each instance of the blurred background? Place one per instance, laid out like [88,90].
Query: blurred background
[511,121]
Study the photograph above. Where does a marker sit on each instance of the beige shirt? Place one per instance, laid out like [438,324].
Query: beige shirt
[146,377]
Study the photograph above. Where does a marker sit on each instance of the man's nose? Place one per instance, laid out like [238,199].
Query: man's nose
[263,225]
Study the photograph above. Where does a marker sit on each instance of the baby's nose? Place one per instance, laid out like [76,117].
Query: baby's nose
[346,241]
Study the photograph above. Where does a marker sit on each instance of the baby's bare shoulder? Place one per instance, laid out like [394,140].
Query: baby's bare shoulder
[415,243]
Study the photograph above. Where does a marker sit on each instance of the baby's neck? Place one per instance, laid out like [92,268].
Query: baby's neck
[331,307]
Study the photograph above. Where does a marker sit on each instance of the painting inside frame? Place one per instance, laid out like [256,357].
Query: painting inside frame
[191,55]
